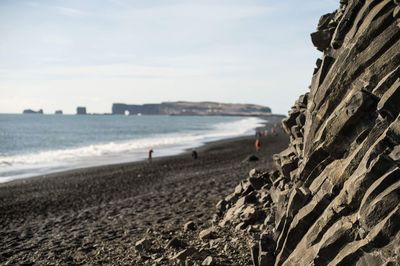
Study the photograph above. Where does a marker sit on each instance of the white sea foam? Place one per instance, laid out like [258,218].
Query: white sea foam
[17,166]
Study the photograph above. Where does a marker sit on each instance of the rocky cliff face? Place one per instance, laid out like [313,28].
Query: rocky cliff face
[334,199]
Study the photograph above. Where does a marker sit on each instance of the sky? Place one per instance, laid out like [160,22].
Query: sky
[57,55]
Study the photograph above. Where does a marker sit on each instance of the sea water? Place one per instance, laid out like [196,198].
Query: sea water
[32,145]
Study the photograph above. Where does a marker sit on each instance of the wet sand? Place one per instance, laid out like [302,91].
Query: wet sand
[95,215]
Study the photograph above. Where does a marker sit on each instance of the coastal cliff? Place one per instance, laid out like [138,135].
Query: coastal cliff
[191,108]
[334,198]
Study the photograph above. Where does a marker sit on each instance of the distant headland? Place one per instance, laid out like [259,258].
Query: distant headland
[191,108]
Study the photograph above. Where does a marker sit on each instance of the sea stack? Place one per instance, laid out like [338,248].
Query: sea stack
[81,111]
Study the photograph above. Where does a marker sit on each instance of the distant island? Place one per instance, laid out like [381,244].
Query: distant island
[191,108]
[30,111]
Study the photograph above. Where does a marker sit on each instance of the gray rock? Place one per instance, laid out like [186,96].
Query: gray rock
[207,234]
[175,243]
[189,226]
[143,245]
[184,254]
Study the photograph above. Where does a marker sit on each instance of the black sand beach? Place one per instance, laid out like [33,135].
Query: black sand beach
[95,216]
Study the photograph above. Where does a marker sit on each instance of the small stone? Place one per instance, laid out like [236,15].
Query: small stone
[160,259]
[184,254]
[209,261]
[240,226]
[175,243]
[189,226]
[143,245]
[226,247]
[207,234]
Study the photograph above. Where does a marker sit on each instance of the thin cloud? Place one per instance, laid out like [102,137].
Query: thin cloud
[70,12]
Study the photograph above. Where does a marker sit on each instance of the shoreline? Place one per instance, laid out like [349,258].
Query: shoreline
[96,215]
[112,153]
[199,148]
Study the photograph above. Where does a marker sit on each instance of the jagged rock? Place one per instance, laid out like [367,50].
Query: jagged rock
[251,215]
[243,188]
[258,182]
[189,226]
[322,38]
[143,245]
[250,198]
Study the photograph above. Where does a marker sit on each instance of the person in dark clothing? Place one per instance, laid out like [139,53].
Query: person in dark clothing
[151,154]
[194,155]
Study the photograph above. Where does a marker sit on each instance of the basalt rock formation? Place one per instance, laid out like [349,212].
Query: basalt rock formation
[334,199]
[191,108]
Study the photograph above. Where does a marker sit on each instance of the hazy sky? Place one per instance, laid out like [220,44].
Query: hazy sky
[62,54]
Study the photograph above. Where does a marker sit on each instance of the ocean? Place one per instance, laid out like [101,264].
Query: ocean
[32,145]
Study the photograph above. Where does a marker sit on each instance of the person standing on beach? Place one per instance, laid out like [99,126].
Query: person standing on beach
[258,145]
[194,155]
[150,154]
[258,141]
